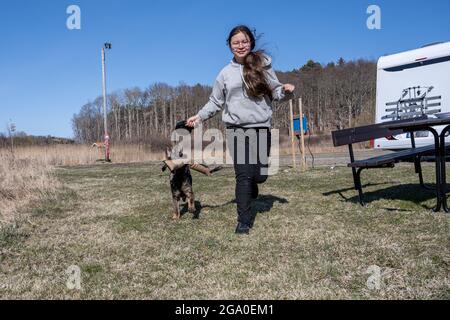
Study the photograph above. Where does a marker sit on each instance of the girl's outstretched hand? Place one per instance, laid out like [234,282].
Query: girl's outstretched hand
[192,121]
[288,88]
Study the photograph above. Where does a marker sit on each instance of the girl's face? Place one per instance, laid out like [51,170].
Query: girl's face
[240,46]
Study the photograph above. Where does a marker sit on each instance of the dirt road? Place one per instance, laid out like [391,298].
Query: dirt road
[331,159]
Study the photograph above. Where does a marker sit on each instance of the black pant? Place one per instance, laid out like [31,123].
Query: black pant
[250,149]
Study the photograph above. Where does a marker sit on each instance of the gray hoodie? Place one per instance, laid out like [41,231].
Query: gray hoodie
[228,94]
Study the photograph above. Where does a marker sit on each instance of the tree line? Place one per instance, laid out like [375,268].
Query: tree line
[335,96]
[21,139]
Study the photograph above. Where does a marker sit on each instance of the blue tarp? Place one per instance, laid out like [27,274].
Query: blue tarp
[297,125]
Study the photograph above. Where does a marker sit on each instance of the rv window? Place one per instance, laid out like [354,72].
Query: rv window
[418,134]
[418,64]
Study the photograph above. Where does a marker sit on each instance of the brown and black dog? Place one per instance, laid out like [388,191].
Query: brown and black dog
[180,186]
[181,182]
[180,175]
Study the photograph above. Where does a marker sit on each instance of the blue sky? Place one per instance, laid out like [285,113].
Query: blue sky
[48,72]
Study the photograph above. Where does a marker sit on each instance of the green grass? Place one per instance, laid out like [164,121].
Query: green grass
[11,236]
[57,204]
[311,239]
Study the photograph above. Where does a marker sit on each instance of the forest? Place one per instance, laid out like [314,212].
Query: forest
[334,96]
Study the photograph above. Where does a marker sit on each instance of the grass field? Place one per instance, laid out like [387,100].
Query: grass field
[311,239]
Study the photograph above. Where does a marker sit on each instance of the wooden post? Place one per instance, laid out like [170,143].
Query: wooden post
[291,111]
[302,135]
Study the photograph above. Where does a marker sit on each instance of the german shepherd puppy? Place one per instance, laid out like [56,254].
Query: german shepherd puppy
[181,187]
[181,178]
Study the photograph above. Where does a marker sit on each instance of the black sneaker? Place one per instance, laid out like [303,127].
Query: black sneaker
[242,228]
[255,190]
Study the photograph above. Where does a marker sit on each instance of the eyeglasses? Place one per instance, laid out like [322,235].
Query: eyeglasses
[244,43]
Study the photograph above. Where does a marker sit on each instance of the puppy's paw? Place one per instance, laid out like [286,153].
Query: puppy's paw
[175,217]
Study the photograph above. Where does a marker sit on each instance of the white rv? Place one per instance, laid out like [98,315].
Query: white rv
[409,84]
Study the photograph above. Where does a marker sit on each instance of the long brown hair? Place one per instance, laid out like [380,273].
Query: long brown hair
[254,74]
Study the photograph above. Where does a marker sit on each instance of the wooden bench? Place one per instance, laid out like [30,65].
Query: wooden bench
[376,131]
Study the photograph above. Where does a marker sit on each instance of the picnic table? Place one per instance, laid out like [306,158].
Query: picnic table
[439,150]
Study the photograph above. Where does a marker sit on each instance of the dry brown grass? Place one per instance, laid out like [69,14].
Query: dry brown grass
[73,155]
[311,239]
[26,174]
[21,182]
[70,155]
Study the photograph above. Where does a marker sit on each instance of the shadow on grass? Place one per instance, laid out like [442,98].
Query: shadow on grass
[405,192]
[263,203]
[199,207]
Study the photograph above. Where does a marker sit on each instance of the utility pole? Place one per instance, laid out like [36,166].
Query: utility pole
[11,129]
[106,141]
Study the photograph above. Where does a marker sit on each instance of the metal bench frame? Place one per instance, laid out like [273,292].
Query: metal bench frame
[376,131]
